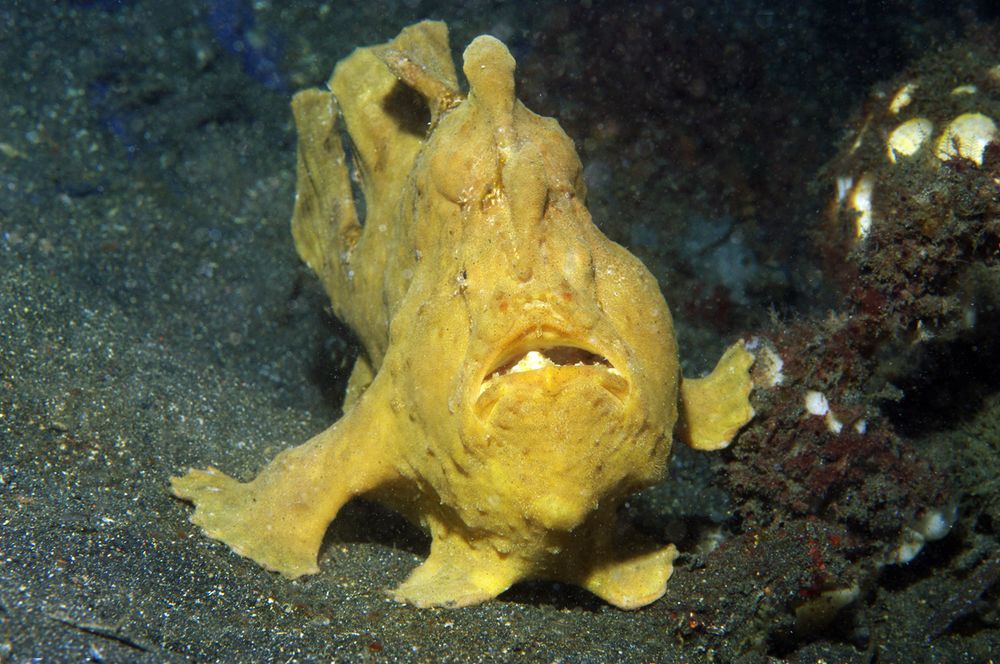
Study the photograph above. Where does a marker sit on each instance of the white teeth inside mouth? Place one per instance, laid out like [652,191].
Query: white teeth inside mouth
[555,356]
[595,367]
[532,360]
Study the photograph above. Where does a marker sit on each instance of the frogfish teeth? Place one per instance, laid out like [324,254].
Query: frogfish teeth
[519,377]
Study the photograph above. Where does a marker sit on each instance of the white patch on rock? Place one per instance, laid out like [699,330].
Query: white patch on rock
[932,525]
[861,202]
[844,184]
[768,365]
[908,137]
[966,137]
[816,403]
[902,98]
[967,89]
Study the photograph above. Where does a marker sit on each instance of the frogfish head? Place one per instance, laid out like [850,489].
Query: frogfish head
[567,385]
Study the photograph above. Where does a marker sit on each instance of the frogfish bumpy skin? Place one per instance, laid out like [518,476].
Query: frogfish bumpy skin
[519,377]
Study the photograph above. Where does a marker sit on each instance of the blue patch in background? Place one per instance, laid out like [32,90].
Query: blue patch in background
[233,26]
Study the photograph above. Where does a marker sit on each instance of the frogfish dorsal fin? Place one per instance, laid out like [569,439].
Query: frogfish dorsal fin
[489,67]
[388,96]
[420,58]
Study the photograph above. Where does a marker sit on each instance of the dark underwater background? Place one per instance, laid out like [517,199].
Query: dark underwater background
[154,316]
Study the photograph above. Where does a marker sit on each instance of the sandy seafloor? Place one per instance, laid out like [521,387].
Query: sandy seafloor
[154,315]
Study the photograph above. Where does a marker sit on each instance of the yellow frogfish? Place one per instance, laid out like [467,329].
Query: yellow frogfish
[519,375]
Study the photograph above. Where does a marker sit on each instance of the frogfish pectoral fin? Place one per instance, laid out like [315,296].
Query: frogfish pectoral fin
[714,408]
[280,517]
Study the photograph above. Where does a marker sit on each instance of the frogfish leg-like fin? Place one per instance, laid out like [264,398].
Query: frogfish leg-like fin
[458,573]
[622,567]
[280,517]
[714,408]
[634,580]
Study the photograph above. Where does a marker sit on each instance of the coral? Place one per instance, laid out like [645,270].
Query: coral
[845,464]
[916,203]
